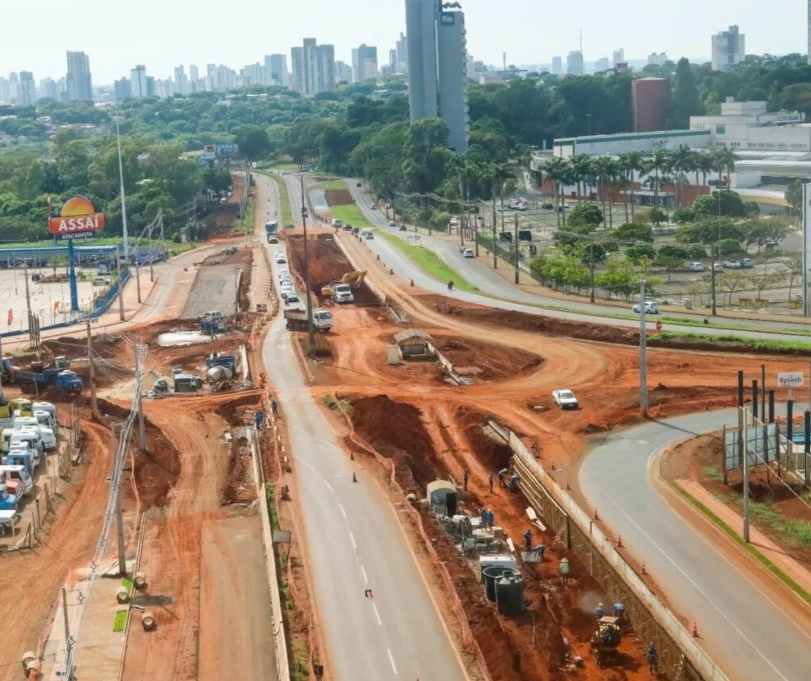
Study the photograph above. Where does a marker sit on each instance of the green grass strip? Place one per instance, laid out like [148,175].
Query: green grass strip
[120,622]
[745,342]
[350,215]
[430,263]
[726,529]
[284,199]
[334,184]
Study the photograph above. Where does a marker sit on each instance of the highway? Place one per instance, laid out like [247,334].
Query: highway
[750,636]
[355,542]
[502,294]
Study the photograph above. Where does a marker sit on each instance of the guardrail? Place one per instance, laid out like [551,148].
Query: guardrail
[579,523]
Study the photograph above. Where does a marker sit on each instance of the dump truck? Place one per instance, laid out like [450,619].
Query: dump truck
[271,227]
[64,379]
[297,320]
[340,293]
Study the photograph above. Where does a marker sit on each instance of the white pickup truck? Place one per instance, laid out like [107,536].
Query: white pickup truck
[565,399]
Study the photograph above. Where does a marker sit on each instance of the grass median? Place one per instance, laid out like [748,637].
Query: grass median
[732,534]
[284,199]
[430,263]
[350,215]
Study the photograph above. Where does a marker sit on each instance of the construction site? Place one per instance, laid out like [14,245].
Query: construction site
[442,407]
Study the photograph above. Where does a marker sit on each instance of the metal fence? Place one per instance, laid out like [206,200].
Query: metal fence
[686,660]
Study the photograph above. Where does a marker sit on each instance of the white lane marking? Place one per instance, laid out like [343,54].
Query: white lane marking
[365,578]
[391,659]
[329,487]
[379,622]
[343,512]
[704,595]
[354,543]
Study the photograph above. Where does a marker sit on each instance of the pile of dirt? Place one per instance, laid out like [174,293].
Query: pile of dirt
[339,197]
[486,362]
[490,451]
[327,264]
[395,430]
[220,221]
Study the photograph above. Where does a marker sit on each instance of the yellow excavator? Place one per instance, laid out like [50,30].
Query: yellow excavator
[341,290]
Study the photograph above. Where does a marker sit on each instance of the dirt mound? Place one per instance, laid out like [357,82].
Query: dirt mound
[238,486]
[486,362]
[339,197]
[327,264]
[494,453]
[395,430]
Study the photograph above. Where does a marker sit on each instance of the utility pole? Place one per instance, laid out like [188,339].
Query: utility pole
[515,248]
[591,272]
[643,352]
[120,285]
[93,404]
[137,277]
[310,331]
[122,559]
[743,453]
[139,377]
[123,195]
[65,616]
[495,254]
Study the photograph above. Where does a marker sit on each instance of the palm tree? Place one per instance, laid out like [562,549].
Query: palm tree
[682,162]
[497,174]
[557,170]
[705,164]
[582,169]
[658,164]
[605,168]
[631,163]
[724,160]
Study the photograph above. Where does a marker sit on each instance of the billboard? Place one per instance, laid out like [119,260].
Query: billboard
[78,216]
[227,149]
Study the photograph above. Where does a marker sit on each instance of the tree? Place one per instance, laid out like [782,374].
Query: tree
[253,142]
[671,257]
[559,172]
[794,196]
[426,155]
[586,215]
[656,216]
[731,282]
[685,100]
[638,252]
[619,278]
[720,202]
[683,215]
[632,232]
[631,164]
[793,271]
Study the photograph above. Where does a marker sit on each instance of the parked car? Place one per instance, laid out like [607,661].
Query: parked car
[548,206]
[280,259]
[747,263]
[732,264]
[651,307]
[468,253]
[291,299]
[565,399]
[718,268]
[696,266]
[402,228]
[100,281]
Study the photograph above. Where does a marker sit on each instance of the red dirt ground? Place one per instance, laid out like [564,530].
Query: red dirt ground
[339,197]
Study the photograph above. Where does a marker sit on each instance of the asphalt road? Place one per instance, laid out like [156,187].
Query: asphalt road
[742,629]
[355,543]
[502,294]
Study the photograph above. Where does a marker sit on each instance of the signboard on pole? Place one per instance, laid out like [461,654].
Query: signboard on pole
[793,379]
[76,217]
[806,248]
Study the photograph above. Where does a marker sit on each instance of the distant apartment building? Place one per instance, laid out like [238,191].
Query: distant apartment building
[79,81]
[48,89]
[437,67]
[138,84]
[557,65]
[253,74]
[657,58]
[26,89]
[181,82]
[601,64]
[618,56]
[574,63]
[343,72]
[276,65]
[364,63]
[728,49]
[313,67]
[194,79]
[402,53]
[122,89]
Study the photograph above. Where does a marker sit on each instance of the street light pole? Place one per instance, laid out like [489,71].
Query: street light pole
[123,196]
[310,331]
[643,352]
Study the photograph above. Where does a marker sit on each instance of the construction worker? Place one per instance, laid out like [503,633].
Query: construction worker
[501,474]
[512,485]
[490,481]
[528,540]
[450,285]
[564,571]
[465,478]
[600,611]
[653,659]
[274,407]
[491,518]
[483,517]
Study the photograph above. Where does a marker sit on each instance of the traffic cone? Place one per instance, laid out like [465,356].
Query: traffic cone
[619,541]
[643,571]
[695,630]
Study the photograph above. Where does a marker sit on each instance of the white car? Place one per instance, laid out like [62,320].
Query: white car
[696,266]
[280,259]
[650,307]
[565,399]
[747,263]
[732,264]
[468,253]
[392,223]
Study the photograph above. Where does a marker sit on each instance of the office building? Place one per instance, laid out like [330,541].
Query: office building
[79,81]
[437,67]
[393,60]
[138,85]
[313,67]
[13,88]
[618,56]
[557,65]
[252,74]
[364,63]
[194,79]
[650,98]
[402,52]
[601,64]
[278,69]
[48,89]
[26,89]
[728,49]
[181,82]
[574,63]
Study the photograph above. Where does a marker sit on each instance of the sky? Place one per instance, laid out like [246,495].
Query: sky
[35,34]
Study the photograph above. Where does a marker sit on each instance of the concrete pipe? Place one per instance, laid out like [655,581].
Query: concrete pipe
[148,621]
[32,666]
[139,581]
[123,595]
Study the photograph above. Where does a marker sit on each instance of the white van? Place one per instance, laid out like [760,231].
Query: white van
[19,476]
[27,437]
[47,434]
[696,266]
[337,223]
[44,419]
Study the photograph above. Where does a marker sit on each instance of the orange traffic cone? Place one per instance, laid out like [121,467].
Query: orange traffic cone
[619,541]
[644,571]
[695,630]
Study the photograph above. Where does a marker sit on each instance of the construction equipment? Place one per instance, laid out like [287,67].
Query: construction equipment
[219,377]
[354,279]
[297,320]
[219,359]
[606,640]
[186,383]
[52,376]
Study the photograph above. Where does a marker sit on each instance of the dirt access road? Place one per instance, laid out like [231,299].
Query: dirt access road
[430,429]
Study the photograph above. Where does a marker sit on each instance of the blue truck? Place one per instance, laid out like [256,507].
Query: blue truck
[219,359]
[271,227]
[64,379]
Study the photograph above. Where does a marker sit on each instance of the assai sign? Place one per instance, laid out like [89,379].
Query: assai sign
[78,219]
[792,379]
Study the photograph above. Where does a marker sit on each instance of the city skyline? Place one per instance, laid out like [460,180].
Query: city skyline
[177,38]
